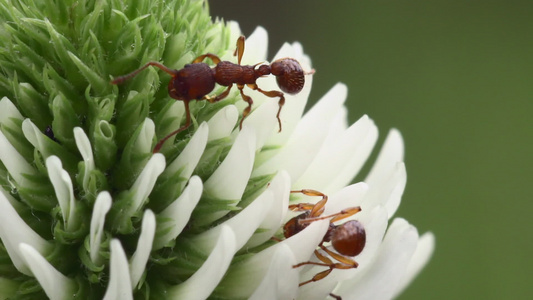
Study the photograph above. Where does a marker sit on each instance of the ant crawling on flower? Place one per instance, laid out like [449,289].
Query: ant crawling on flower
[196,80]
[348,239]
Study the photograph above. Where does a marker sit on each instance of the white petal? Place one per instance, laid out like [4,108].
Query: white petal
[243,278]
[292,111]
[202,283]
[223,122]
[35,137]
[84,146]
[251,216]
[100,209]
[8,111]
[354,162]
[381,280]
[64,190]
[178,213]
[14,231]
[172,117]
[143,143]
[263,120]
[15,164]
[119,287]
[56,285]
[307,138]
[231,177]
[280,188]
[190,156]
[281,279]
[388,177]
[255,47]
[387,192]
[335,153]
[144,247]
[423,252]
[145,182]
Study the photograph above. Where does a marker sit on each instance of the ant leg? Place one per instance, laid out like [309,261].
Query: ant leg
[215,59]
[219,97]
[335,296]
[173,133]
[248,109]
[325,262]
[123,78]
[239,51]
[272,94]
[334,217]
[318,208]
[347,262]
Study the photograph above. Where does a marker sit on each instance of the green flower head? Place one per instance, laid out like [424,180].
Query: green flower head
[88,211]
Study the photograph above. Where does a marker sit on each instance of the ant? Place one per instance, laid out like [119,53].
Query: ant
[196,80]
[348,239]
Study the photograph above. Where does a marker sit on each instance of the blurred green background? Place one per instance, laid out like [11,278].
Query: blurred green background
[455,77]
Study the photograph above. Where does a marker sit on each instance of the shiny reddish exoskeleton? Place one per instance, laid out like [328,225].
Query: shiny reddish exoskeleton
[196,80]
[348,239]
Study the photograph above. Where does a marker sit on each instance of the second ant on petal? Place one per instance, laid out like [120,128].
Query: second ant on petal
[196,80]
[348,239]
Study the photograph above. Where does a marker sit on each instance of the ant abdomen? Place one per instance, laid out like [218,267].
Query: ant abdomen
[289,75]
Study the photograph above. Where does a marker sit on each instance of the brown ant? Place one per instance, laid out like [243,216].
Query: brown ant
[196,80]
[348,239]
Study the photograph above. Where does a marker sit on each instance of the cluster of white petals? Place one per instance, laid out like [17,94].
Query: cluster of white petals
[317,150]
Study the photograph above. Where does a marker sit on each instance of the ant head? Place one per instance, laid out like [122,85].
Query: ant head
[349,238]
[289,75]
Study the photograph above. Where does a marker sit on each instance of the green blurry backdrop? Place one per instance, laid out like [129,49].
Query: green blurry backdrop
[455,77]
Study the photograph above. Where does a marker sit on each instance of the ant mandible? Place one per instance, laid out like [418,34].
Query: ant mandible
[196,80]
[348,239]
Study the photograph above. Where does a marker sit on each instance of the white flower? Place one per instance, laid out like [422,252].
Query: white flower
[188,233]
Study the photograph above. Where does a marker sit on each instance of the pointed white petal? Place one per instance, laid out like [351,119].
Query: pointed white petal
[143,143]
[311,132]
[389,190]
[235,31]
[145,182]
[119,287]
[387,177]
[14,231]
[274,217]
[255,47]
[56,285]
[173,115]
[423,252]
[252,216]
[382,278]
[144,247]
[281,279]
[223,122]
[8,111]
[34,135]
[335,153]
[354,162]
[14,162]
[202,283]
[84,146]
[189,157]
[263,120]
[101,208]
[244,277]
[178,213]
[64,190]
[230,178]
